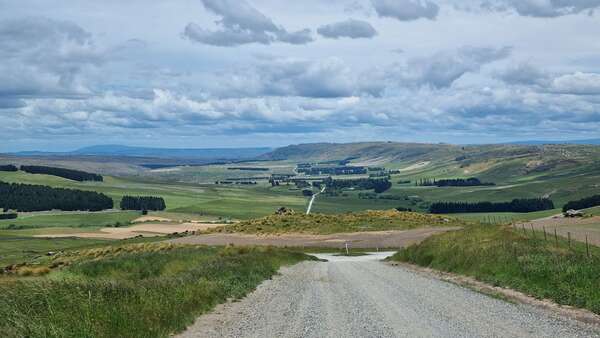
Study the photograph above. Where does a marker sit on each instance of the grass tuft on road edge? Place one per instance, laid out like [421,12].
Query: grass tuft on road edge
[504,257]
[142,290]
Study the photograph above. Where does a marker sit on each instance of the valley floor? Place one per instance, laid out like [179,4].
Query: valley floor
[361,297]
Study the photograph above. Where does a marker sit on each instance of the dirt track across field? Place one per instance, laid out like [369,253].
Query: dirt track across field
[145,229]
[374,239]
[578,227]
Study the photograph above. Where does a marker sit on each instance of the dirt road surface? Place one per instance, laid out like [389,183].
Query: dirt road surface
[361,297]
[373,239]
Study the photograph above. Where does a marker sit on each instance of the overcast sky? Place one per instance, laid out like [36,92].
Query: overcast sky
[231,73]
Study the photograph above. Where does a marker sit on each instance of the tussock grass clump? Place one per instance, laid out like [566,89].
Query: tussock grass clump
[151,291]
[502,256]
[370,220]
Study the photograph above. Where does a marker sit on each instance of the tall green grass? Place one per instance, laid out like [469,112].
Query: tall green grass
[523,261]
[151,290]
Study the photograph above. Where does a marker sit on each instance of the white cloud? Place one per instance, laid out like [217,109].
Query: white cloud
[578,83]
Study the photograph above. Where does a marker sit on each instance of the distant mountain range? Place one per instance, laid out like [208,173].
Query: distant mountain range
[127,151]
[539,142]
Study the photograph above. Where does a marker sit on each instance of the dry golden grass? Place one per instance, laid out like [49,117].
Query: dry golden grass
[370,220]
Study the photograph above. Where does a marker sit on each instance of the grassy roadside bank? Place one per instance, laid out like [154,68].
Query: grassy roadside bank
[140,290]
[503,257]
[324,224]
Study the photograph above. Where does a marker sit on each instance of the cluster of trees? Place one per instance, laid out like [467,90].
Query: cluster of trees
[8,216]
[25,197]
[583,203]
[8,167]
[377,185]
[516,205]
[248,168]
[452,182]
[307,192]
[373,196]
[236,182]
[343,170]
[143,203]
[70,174]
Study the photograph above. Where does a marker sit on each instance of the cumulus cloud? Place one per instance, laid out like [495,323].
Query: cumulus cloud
[351,28]
[41,56]
[440,69]
[523,74]
[542,8]
[241,24]
[578,84]
[406,10]
[284,76]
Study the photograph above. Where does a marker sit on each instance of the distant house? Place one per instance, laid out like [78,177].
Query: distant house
[573,213]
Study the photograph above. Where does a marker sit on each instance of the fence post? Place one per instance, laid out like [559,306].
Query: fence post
[555,237]
[524,232]
[587,246]
[532,231]
[545,236]
[569,235]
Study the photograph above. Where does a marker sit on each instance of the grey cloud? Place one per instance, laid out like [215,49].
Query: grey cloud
[350,28]
[523,74]
[41,56]
[326,78]
[406,10]
[444,68]
[241,24]
[542,8]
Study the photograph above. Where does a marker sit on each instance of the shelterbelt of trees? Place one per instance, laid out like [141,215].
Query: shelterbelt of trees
[143,203]
[583,203]
[516,205]
[25,197]
[70,174]
[9,167]
[376,184]
[453,182]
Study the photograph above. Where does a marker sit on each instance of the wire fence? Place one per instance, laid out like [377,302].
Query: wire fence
[562,237]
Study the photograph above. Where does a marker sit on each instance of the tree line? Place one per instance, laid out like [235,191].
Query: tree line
[75,175]
[8,216]
[377,185]
[516,205]
[143,203]
[26,197]
[583,203]
[452,182]
[8,167]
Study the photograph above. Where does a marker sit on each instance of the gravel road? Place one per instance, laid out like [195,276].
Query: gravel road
[362,297]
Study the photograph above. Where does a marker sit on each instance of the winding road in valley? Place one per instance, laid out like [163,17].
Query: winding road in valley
[363,297]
